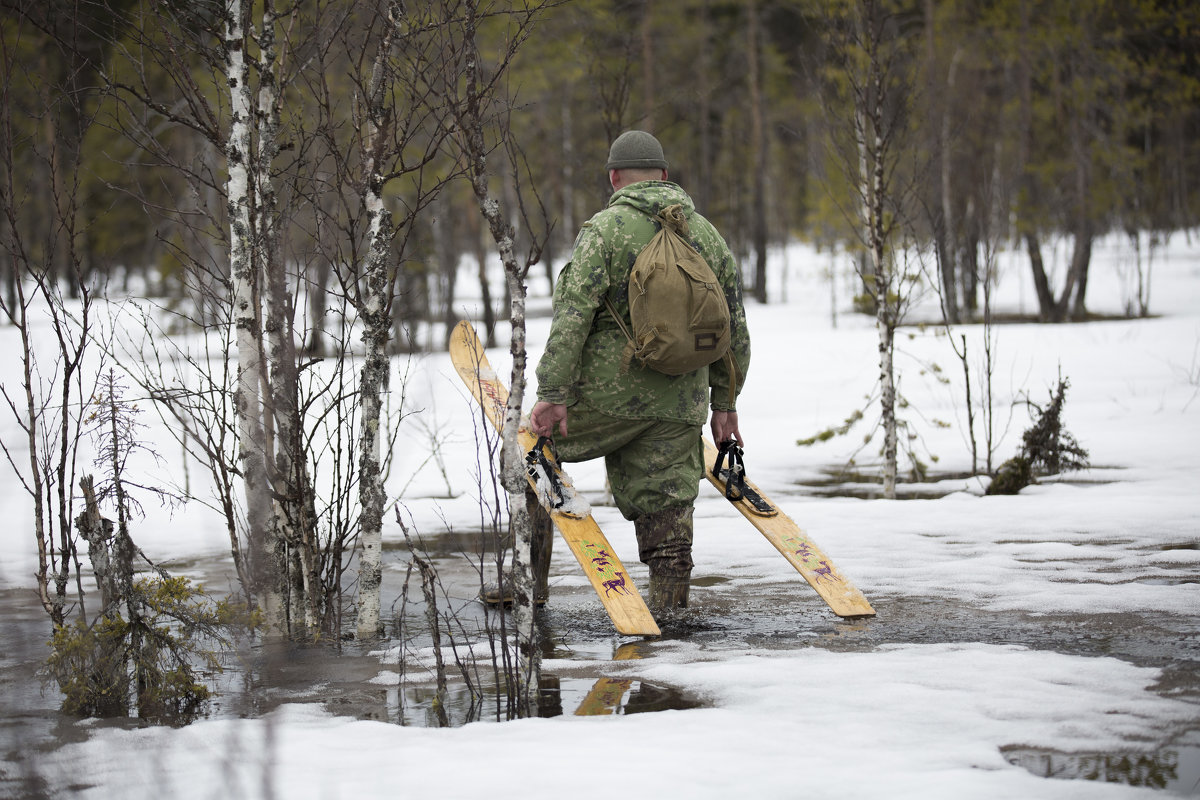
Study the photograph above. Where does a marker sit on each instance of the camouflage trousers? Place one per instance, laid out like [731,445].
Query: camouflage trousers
[654,469]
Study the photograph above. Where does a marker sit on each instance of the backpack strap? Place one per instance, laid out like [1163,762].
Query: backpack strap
[627,355]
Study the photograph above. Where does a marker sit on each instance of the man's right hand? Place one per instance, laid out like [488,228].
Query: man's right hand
[725,427]
[545,416]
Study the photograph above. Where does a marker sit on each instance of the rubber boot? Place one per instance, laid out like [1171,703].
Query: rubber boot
[665,545]
[667,594]
[541,546]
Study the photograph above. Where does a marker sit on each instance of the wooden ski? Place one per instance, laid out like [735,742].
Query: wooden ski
[794,544]
[583,536]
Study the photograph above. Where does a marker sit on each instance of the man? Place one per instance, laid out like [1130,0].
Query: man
[646,425]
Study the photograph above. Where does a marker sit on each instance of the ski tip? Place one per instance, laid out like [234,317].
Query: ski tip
[648,629]
[859,609]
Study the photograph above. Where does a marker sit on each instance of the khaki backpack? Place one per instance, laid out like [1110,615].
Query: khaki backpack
[676,304]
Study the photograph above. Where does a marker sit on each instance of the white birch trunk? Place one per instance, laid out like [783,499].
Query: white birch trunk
[376,372]
[514,482]
[291,535]
[886,306]
[246,318]
[373,382]
[512,471]
[868,122]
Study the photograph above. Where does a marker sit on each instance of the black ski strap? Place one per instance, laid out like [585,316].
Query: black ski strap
[735,476]
[537,456]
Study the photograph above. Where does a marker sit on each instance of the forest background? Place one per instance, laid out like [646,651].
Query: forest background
[294,188]
[1028,120]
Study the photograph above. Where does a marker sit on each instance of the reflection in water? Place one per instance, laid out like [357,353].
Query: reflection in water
[631,696]
[604,698]
[1175,768]
[556,696]
[413,704]
[607,695]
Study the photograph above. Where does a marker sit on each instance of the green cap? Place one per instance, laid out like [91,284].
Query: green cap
[636,150]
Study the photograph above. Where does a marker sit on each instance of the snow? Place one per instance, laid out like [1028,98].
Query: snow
[891,721]
[898,723]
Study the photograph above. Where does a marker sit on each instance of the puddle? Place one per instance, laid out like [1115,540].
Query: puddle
[869,486]
[561,695]
[451,543]
[1167,581]
[418,706]
[934,486]
[415,703]
[610,696]
[1174,769]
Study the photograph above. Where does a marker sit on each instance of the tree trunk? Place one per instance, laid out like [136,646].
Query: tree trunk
[288,473]
[374,309]
[373,382]
[704,169]
[485,287]
[245,280]
[1081,259]
[318,298]
[1028,185]
[758,225]
[648,66]
[98,532]
[968,262]
[512,476]
[1041,283]
[568,189]
[1081,256]
[872,161]
[43,526]
[885,324]
[937,134]
[950,265]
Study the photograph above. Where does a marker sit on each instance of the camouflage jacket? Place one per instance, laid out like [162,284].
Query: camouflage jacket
[583,354]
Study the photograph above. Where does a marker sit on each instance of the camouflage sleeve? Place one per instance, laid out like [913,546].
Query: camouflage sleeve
[578,294]
[719,379]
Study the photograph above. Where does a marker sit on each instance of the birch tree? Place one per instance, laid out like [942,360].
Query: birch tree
[401,113]
[228,70]
[872,85]
[478,111]
[373,308]
[265,569]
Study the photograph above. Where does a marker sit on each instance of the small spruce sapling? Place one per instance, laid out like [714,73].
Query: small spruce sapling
[154,636]
[1047,448]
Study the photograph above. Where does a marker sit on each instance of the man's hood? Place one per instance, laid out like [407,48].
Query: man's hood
[652,197]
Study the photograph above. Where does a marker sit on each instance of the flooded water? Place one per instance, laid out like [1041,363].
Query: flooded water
[394,680]
[1175,769]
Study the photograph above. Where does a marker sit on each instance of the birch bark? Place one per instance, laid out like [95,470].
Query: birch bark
[873,143]
[245,279]
[374,309]
[471,137]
